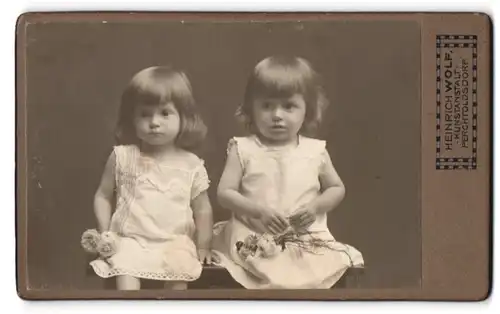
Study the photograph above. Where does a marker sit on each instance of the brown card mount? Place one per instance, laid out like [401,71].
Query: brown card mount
[408,130]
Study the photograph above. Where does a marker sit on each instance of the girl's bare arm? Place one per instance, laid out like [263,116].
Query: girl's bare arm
[333,188]
[203,219]
[103,199]
[228,190]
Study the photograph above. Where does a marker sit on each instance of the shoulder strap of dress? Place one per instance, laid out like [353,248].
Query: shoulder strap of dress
[312,147]
[243,146]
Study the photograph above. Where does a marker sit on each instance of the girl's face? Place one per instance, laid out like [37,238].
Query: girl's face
[279,119]
[157,124]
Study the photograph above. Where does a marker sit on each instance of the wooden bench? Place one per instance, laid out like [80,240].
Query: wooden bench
[215,277]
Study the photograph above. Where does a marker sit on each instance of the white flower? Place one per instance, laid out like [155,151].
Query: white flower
[267,246]
[245,253]
[108,244]
[90,239]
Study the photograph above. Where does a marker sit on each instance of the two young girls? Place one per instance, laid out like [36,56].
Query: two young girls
[277,181]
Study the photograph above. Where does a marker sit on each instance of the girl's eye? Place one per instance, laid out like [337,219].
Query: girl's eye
[288,106]
[165,113]
[145,114]
[266,105]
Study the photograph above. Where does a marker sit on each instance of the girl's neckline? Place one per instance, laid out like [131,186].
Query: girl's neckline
[279,148]
[153,159]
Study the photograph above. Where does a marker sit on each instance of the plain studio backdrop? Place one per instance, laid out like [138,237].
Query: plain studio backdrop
[77,70]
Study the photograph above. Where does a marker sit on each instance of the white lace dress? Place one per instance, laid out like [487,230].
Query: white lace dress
[282,180]
[153,219]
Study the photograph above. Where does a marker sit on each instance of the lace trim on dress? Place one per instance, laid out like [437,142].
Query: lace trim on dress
[143,274]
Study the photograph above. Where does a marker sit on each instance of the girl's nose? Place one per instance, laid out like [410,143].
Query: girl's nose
[277,114]
[154,123]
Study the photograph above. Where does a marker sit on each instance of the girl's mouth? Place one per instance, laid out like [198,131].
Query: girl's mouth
[278,129]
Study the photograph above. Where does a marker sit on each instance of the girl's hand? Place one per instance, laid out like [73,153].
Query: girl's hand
[205,256]
[303,218]
[275,223]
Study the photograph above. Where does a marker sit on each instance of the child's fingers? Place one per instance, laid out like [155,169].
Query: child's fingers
[214,259]
[307,222]
[304,221]
[279,227]
[273,224]
[306,216]
[299,216]
[203,256]
[280,222]
[208,259]
[310,218]
[267,226]
[273,229]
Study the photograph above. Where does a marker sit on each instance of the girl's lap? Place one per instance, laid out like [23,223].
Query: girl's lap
[171,260]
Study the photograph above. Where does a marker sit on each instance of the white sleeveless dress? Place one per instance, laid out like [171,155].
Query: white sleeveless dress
[153,218]
[282,180]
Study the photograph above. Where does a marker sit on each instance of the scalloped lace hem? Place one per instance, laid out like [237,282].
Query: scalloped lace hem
[166,276]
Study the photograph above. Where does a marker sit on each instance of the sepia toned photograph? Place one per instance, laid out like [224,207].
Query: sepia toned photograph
[167,154]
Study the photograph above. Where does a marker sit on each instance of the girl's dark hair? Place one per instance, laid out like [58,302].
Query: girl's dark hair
[158,85]
[280,76]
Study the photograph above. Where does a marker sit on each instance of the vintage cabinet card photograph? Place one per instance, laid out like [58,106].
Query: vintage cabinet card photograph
[299,156]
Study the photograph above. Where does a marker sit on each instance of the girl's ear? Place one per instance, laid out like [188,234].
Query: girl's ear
[239,111]
[242,117]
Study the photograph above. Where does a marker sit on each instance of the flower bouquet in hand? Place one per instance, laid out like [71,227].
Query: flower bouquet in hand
[263,245]
[267,245]
[287,233]
[103,244]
